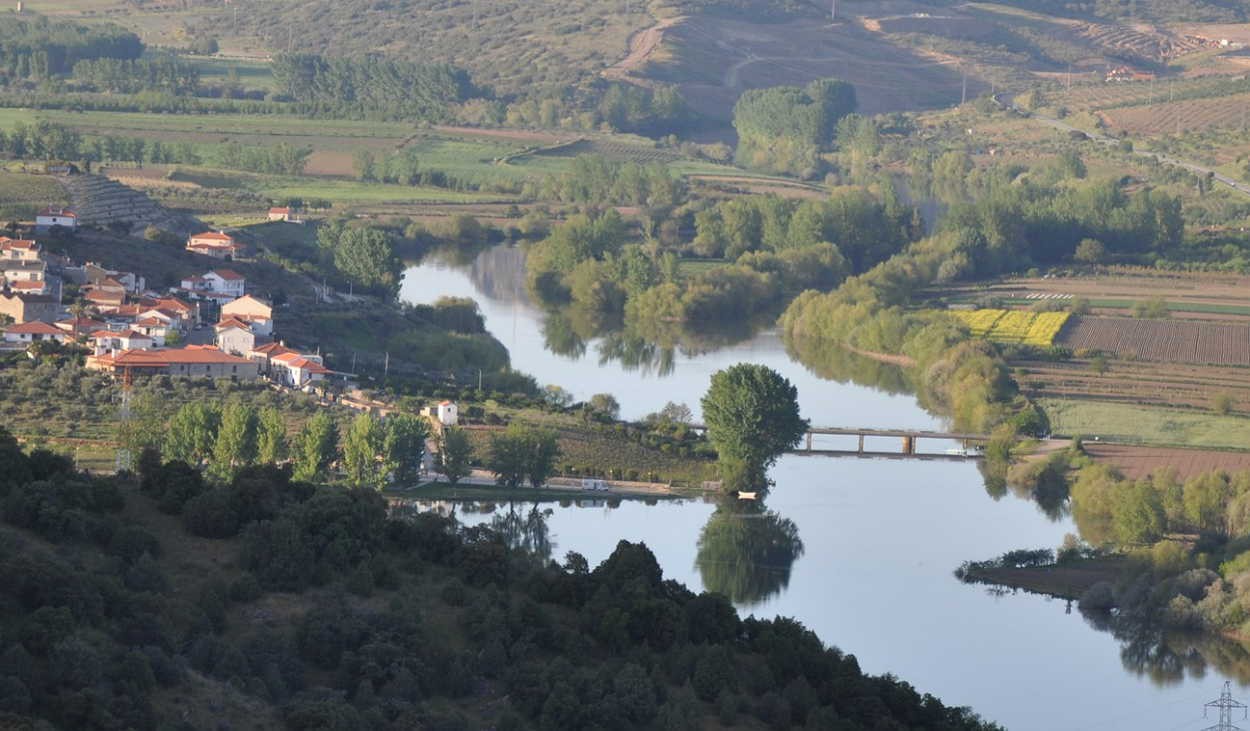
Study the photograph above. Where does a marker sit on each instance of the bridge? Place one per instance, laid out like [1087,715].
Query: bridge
[908,437]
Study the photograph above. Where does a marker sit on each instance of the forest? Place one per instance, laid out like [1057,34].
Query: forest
[371,87]
[103,626]
[38,48]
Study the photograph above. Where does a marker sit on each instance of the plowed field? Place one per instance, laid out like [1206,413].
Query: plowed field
[1161,340]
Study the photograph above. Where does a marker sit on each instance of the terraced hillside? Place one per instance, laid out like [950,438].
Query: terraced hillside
[100,201]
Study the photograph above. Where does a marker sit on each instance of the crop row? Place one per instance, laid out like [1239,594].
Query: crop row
[1014,326]
[1172,341]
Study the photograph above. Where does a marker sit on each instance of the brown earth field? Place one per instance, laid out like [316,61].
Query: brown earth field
[1139,462]
[1189,115]
[1179,289]
[1170,341]
[1131,382]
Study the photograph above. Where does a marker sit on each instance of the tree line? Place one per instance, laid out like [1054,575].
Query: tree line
[784,128]
[35,47]
[167,74]
[371,87]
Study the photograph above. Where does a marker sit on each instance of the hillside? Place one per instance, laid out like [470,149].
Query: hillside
[172,602]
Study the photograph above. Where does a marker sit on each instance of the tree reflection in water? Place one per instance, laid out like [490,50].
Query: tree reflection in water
[746,551]
[525,530]
[1167,658]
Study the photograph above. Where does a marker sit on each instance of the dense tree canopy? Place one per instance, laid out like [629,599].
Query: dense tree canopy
[752,417]
[371,86]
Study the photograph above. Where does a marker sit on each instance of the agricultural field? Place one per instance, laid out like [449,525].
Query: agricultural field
[1137,382]
[1139,462]
[1209,296]
[1134,424]
[1014,326]
[1168,341]
[1190,115]
[22,195]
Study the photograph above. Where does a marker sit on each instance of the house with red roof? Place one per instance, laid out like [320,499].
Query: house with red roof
[222,285]
[53,216]
[18,249]
[289,215]
[193,361]
[217,244]
[33,332]
[112,341]
[289,367]
[257,313]
[233,335]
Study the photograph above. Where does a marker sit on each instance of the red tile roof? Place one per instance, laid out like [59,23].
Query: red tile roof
[215,236]
[26,284]
[228,274]
[190,355]
[8,243]
[34,328]
[230,322]
[63,212]
[280,210]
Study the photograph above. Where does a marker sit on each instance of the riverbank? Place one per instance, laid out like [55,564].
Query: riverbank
[1068,580]
[482,487]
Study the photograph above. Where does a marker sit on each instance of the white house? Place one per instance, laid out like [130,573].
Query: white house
[448,414]
[297,370]
[217,244]
[234,336]
[222,285]
[110,341]
[18,249]
[284,214]
[257,313]
[30,332]
[153,327]
[49,217]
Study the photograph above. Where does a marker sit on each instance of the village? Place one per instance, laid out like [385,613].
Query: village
[209,326]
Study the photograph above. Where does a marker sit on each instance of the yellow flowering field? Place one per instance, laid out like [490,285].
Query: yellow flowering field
[1014,326]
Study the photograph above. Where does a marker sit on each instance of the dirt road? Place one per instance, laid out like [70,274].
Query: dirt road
[641,45]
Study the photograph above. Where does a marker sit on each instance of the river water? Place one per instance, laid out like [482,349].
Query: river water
[880,539]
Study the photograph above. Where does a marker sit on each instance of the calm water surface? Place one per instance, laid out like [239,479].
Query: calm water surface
[880,539]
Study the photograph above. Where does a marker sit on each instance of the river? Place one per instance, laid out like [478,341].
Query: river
[880,539]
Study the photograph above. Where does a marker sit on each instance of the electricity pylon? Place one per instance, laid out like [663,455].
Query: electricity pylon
[1226,706]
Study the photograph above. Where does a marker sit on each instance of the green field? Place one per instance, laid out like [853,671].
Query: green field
[251,74]
[22,195]
[1130,424]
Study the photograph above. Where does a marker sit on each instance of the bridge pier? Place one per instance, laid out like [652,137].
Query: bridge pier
[809,441]
[861,444]
[909,445]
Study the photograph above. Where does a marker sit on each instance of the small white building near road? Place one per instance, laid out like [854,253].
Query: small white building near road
[234,336]
[448,414]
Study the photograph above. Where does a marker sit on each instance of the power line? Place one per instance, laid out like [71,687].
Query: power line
[1226,706]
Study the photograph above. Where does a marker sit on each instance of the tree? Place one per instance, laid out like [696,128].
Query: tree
[271,446]
[605,406]
[752,417]
[454,451]
[523,453]
[542,450]
[236,440]
[403,447]
[315,448]
[361,448]
[192,432]
[507,458]
[1090,251]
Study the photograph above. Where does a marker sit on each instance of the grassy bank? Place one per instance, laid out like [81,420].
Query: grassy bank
[1131,424]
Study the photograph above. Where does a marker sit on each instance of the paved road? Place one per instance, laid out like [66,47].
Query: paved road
[1108,140]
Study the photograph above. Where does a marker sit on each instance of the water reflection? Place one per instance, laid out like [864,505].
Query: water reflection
[1169,658]
[525,530]
[746,551]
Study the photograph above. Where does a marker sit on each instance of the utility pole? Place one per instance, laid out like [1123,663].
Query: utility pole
[1226,706]
[386,366]
[963,92]
[833,12]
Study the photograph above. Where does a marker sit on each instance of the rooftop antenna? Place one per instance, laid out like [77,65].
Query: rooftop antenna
[1226,706]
